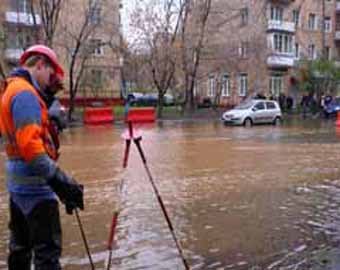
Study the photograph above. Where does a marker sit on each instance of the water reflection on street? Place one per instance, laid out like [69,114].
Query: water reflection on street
[239,198]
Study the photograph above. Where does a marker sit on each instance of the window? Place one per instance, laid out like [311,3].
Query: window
[95,13]
[283,43]
[225,86]
[96,47]
[312,21]
[276,13]
[296,16]
[211,86]
[243,49]
[328,24]
[97,77]
[259,106]
[244,16]
[311,51]
[276,84]
[243,84]
[19,40]
[297,51]
[337,22]
[21,6]
[270,105]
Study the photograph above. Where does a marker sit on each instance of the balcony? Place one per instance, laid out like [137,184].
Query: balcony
[337,35]
[22,18]
[13,54]
[281,60]
[283,26]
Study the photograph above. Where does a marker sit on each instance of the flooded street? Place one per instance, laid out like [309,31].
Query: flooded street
[239,198]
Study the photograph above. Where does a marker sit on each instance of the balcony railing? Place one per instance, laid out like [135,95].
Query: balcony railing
[284,26]
[281,60]
[13,54]
[22,18]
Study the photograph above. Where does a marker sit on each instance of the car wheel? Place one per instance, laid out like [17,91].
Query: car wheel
[277,121]
[248,122]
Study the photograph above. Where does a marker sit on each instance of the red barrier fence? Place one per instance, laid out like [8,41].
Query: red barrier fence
[138,115]
[97,116]
[337,123]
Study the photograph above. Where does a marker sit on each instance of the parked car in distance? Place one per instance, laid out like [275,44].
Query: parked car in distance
[149,99]
[134,97]
[58,115]
[255,111]
[333,107]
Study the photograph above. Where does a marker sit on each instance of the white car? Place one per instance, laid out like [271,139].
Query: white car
[255,111]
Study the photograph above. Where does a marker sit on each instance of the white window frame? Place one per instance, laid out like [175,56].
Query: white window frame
[225,85]
[211,86]
[276,84]
[311,51]
[283,43]
[328,24]
[23,6]
[312,21]
[243,49]
[242,84]
[276,13]
[296,17]
[297,51]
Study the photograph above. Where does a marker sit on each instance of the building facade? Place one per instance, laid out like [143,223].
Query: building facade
[254,46]
[90,28]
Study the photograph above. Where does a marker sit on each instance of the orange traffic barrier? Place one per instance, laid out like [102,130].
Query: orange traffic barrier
[97,116]
[141,115]
[337,123]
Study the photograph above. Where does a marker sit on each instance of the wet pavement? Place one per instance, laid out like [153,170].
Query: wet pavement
[239,198]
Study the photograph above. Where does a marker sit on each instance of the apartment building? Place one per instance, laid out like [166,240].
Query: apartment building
[254,46]
[98,60]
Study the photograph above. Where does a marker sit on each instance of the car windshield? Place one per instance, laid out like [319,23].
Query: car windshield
[245,106]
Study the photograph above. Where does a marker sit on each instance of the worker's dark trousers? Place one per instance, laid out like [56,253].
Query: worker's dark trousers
[39,233]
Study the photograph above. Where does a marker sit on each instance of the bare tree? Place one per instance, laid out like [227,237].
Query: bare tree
[158,24]
[76,37]
[193,28]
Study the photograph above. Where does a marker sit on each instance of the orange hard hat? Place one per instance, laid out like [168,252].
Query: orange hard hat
[46,51]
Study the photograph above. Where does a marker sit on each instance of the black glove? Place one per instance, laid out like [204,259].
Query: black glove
[68,190]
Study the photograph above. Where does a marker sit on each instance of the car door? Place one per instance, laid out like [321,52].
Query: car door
[259,112]
[271,111]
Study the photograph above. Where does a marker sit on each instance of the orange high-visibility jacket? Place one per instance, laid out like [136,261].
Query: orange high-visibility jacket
[32,139]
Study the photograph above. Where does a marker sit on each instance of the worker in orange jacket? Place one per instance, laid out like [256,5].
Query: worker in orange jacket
[33,177]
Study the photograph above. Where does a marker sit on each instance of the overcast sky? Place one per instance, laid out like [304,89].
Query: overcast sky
[128,6]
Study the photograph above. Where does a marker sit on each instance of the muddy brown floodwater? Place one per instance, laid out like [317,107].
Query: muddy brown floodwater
[239,198]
